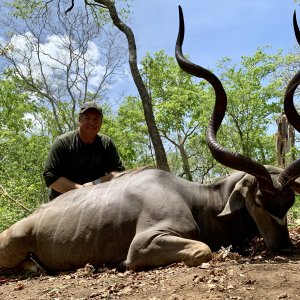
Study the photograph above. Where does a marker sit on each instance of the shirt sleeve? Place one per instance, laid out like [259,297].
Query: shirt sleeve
[114,160]
[55,162]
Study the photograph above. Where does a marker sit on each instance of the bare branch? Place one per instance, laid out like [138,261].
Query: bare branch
[70,8]
[64,59]
[5,194]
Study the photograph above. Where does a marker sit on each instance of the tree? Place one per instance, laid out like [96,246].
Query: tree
[58,57]
[286,136]
[160,153]
[23,147]
[254,100]
[181,105]
[285,141]
[99,8]
[131,134]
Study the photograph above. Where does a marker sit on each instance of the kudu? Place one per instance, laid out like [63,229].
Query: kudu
[152,218]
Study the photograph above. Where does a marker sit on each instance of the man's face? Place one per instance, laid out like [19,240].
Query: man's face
[90,122]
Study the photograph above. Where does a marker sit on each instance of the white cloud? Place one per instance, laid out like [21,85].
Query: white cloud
[53,60]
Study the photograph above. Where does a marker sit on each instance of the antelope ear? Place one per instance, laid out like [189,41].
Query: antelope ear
[296,185]
[237,198]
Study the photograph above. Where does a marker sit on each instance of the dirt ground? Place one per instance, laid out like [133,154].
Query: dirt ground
[259,275]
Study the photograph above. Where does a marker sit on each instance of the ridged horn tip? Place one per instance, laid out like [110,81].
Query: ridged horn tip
[296,27]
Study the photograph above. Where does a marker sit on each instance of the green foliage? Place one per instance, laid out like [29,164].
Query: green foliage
[176,96]
[58,57]
[40,100]
[25,8]
[254,99]
[182,107]
[22,154]
[130,134]
[102,16]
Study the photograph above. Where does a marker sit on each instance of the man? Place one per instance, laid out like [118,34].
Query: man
[82,157]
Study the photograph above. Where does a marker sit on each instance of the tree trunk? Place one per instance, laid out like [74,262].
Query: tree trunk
[160,154]
[185,159]
[285,140]
[292,141]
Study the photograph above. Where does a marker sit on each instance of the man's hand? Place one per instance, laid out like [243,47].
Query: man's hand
[88,184]
[104,178]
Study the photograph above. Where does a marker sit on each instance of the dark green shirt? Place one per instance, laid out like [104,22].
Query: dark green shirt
[71,158]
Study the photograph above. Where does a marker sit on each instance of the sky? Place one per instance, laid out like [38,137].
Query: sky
[214,29]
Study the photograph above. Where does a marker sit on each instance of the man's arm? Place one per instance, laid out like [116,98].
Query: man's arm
[56,166]
[107,177]
[63,184]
